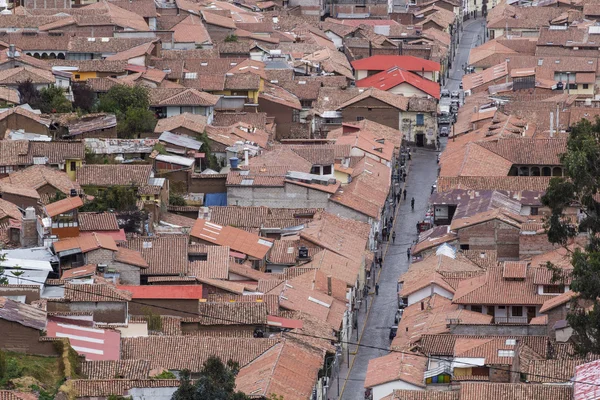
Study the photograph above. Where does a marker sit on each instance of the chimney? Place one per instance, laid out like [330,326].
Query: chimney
[29,229]
[329,285]
[370,49]
[400,48]
[246,156]
[423,72]
[11,50]
[551,124]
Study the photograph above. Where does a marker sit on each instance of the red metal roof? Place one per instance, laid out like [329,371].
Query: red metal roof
[382,63]
[93,343]
[165,291]
[393,77]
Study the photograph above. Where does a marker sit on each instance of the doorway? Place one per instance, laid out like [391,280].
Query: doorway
[420,139]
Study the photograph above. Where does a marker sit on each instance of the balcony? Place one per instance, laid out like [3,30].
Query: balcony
[510,320]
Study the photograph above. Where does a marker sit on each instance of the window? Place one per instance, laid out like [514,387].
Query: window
[478,309]
[506,353]
[464,247]
[517,311]
[420,120]
[534,211]
[511,342]
[572,86]
[327,170]
[315,170]
[77,76]
[73,165]
[586,86]
[295,115]
[554,289]
[360,118]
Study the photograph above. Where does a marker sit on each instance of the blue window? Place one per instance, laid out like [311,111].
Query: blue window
[420,120]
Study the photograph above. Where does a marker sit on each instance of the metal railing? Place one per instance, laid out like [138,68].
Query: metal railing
[510,320]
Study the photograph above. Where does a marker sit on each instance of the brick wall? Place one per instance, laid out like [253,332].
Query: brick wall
[128,274]
[288,196]
[31,294]
[498,330]
[18,338]
[16,121]
[373,110]
[177,307]
[530,245]
[105,311]
[100,256]
[500,373]
[380,10]
[492,235]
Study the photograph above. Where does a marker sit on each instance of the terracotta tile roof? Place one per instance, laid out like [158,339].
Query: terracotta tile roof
[258,120]
[342,236]
[73,273]
[388,79]
[78,44]
[215,266]
[286,251]
[284,156]
[92,65]
[553,371]
[120,16]
[238,313]
[236,239]
[423,394]
[428,271]
[86,243]
[279,95]
[516,391]
[64,205]
[556,301]
[256,217]
[14,395]
[97,292]
[123,369]
[508,183]
[93,221]
[399,102]
[396,366]
[244,81]
[181,97]
[433,319]
[190,352]
[258,176]
[212,18]
[369,143]
[505,292]
[23,314]
[528,151]
[170,325]
[271,372]
[9,210]
[165,255]
[271,300]
[118,387]
[495,214]
[144,8]
[131,257]
[108,175]
[20,74]
[390,135]
[515,269]
[193,122]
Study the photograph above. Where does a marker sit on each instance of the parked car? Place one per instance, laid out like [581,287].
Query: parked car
[444,93]
[455,94]
[444,131]
[460,86]
[398,316]
[393,332]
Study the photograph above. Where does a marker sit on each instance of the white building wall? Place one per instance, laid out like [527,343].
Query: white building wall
[426,292]
[380,391]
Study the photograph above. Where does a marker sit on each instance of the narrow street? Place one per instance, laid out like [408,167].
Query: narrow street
[374,324]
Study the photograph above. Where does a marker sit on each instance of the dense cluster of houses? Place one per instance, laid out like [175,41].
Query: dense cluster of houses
[260,196]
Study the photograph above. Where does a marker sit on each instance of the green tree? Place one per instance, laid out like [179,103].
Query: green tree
[3,364]
[83,96]
[216,382]
[3,278]
[175,199]
[579,189]
[29,94]
[131,106]
[211,159]
[166,374]
[120,198]
[53,100]
[185,391]
[231,38]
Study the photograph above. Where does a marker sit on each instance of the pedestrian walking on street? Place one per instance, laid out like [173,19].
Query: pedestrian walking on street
[412,204]
[404,192]
[397,197]
[384,234]
[409,155]
[380,262]
[377,289]
[394,237]
[408,254]
[404,176]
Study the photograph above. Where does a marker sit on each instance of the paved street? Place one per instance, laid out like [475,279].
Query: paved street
[380,317]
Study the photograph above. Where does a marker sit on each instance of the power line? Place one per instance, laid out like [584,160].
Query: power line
[198,314]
